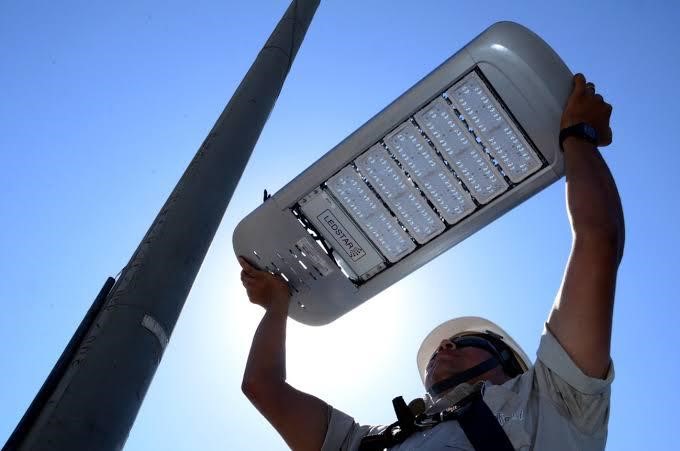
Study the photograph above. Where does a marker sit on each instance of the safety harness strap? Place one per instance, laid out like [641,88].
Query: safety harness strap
[475,418]
[482,428]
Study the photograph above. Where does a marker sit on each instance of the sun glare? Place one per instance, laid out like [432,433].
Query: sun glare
[322,359]
[331,360]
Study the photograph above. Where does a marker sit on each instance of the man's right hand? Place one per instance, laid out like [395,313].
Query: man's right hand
[264,289]
[300,418]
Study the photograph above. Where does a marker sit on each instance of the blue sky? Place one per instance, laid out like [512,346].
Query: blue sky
[103,106]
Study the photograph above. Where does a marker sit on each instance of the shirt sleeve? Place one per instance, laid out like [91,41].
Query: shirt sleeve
[583,398]
[344,433]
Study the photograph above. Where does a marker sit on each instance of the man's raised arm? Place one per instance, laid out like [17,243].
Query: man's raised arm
[581,318]
[301,419]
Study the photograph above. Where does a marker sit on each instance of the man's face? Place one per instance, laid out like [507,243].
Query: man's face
[448,360]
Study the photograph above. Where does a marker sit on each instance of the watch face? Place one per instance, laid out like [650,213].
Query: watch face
[590,131]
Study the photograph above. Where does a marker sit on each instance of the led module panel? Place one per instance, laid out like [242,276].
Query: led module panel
[458,147]
[488,119]
[470,141]
[401,197]
[378,223]
[429,171]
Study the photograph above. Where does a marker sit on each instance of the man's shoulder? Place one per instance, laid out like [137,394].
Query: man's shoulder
[554,362]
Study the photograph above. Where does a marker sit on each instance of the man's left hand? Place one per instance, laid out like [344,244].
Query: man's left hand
[584,105]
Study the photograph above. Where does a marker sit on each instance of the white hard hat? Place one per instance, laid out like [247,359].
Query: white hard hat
[466,325]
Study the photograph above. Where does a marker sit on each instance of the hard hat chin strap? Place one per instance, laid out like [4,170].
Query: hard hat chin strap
[448,383]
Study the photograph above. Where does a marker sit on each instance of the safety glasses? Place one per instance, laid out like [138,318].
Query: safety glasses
[476,341]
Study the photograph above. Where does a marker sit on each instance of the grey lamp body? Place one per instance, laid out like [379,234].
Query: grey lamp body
[533,83]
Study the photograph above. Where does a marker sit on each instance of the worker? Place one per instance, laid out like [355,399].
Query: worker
[483,393]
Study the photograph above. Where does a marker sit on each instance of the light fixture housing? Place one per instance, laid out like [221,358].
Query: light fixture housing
[470,141]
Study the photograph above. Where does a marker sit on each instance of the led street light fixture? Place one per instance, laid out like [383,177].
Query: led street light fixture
[470,141]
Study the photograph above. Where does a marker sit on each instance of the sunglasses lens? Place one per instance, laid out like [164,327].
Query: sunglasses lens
[475,342]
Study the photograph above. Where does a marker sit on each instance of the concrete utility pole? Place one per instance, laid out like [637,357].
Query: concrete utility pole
[91,398]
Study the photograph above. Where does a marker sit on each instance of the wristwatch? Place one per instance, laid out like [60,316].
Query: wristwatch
[581,130]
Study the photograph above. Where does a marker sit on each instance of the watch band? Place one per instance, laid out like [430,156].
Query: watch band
[581,130]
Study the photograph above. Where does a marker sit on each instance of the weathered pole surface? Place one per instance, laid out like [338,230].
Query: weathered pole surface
[91,401]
